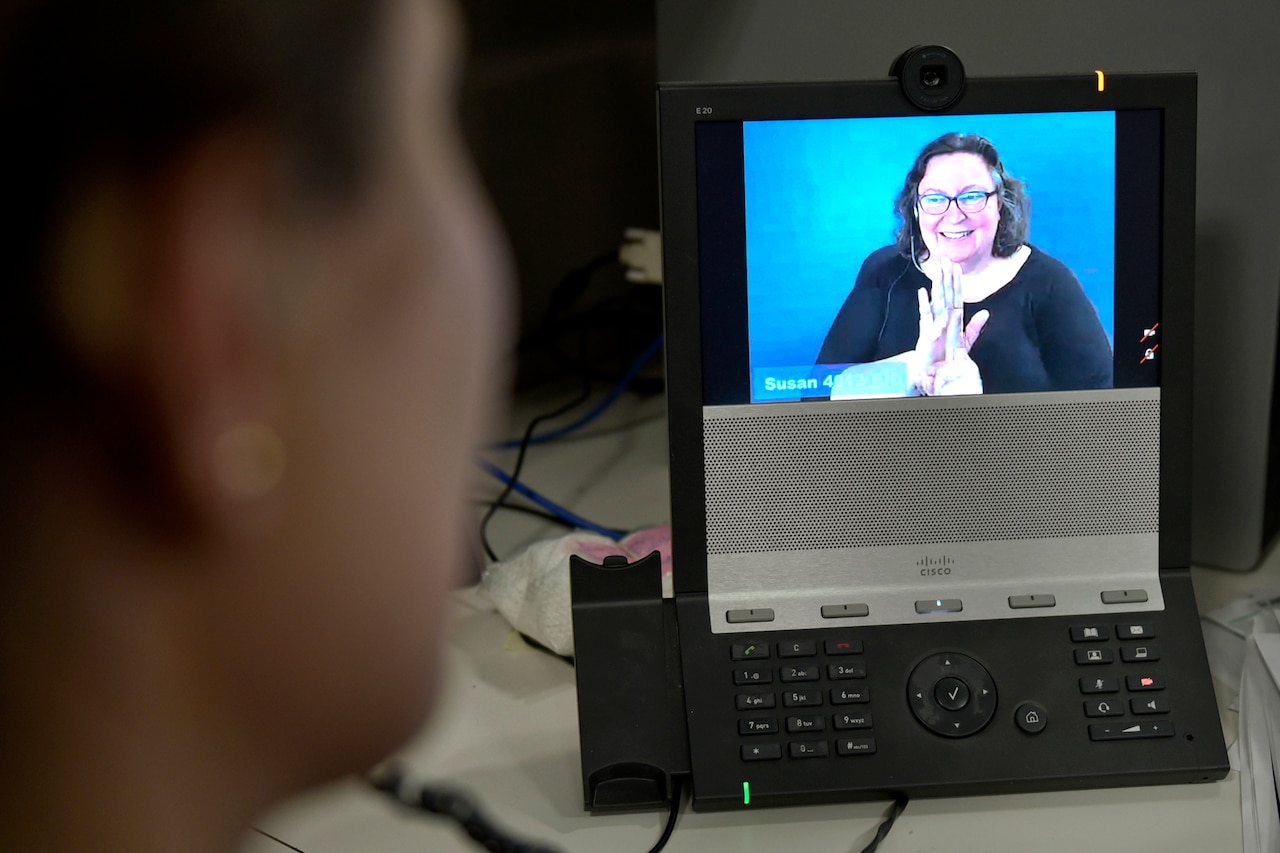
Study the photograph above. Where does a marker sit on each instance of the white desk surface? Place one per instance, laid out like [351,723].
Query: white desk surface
[506,731]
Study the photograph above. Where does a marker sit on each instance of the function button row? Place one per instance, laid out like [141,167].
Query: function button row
[1124,631]
[924,607]
[1134,683]
[1116,708]
[795,649]
[765,614]
[1128,654]
[930,606]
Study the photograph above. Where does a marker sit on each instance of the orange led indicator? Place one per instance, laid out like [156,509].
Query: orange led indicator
[1102,80]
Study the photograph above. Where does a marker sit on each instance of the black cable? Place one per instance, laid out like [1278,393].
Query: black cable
[899,804]
[677,796]
[583,395]
[527,510]
[277,840]
[628,320]
[466,814]
[458,808]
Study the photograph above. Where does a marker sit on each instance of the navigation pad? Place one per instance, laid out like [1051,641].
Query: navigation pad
[951,694]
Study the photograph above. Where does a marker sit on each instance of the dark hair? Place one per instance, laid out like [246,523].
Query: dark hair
[91,89]
[1015,204]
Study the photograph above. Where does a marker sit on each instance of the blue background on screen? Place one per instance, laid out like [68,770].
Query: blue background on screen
[819,199]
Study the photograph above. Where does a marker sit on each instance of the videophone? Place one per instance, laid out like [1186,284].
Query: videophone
[885,584]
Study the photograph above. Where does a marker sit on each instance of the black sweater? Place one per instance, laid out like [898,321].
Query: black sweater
[1043,333]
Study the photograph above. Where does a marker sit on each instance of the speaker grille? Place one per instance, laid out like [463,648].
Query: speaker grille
[853,479]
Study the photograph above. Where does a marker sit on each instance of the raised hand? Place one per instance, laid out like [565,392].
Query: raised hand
[942,349]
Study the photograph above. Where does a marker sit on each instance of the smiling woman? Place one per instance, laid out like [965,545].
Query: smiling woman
[242,238]
[962,299]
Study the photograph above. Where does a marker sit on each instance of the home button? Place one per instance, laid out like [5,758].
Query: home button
[1031,717]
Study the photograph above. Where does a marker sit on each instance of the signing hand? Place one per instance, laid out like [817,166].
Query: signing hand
[942,349]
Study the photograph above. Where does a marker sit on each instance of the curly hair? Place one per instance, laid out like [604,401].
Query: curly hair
[1015,203]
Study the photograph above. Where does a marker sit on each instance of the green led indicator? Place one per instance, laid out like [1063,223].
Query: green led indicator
[746,793]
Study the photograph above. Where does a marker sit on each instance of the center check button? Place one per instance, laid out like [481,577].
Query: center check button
[951,693]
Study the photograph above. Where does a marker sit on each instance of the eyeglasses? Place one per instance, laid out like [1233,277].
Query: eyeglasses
[969,201]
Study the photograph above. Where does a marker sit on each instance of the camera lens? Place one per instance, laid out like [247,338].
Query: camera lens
[931,76]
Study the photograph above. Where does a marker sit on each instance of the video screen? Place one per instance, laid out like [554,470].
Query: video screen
[929,255]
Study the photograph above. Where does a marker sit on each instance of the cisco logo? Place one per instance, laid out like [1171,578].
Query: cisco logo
[933,566]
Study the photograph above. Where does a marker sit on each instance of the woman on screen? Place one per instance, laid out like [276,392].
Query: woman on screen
[961,297]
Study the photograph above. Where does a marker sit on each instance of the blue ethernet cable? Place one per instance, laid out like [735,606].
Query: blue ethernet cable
[550,505]
[600,407]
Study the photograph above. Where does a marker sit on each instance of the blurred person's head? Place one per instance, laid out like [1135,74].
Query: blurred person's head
[253,307]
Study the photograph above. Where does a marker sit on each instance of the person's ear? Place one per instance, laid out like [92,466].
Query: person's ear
[164,292]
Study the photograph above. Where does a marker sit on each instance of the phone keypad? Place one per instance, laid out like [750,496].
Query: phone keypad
[821,690]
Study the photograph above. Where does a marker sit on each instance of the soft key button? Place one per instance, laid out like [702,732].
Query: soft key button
[1124,596]
[844,611]
[1024,602]
[759,614]
[930,606]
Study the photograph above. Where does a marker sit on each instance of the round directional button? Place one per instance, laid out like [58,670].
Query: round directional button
[951,694]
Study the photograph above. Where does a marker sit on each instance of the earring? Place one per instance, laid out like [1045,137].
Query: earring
[248,460]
